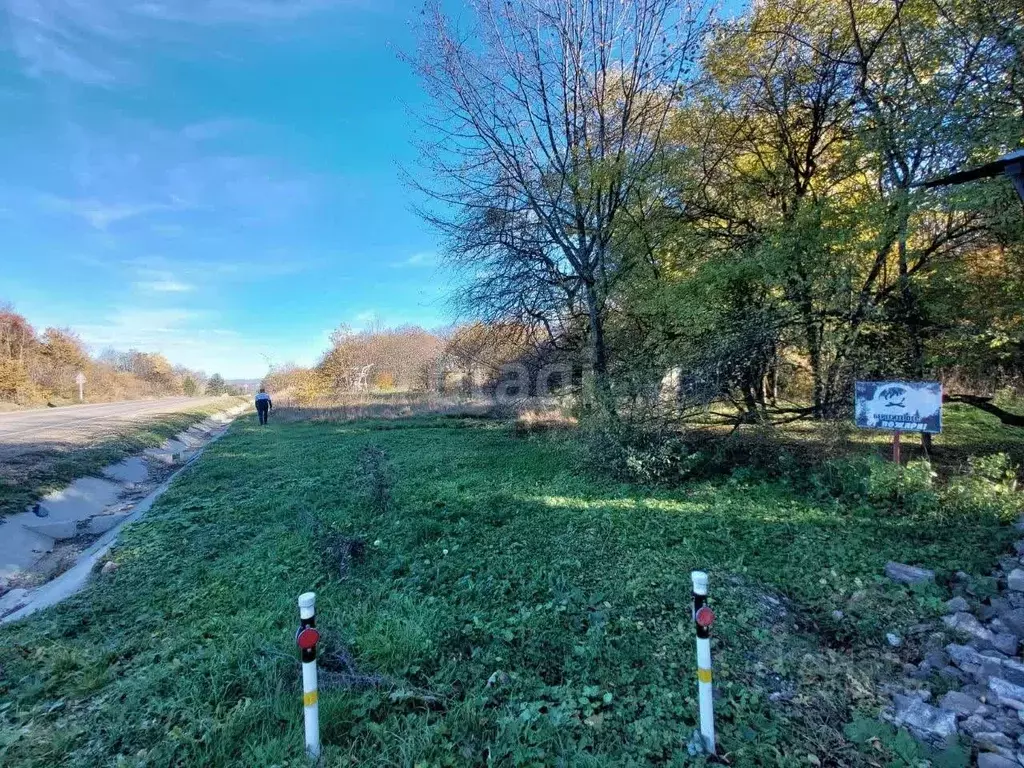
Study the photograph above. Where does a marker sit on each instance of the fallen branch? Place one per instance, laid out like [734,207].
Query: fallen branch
[986,404]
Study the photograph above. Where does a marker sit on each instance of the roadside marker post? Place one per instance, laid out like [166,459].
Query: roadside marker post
[306,638]
[703,618]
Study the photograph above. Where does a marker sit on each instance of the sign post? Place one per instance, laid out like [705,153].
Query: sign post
[306,638]
[899,406]
[703,618]
[80,381]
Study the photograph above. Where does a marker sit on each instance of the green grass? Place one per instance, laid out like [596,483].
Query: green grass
[27,477]
[497,559]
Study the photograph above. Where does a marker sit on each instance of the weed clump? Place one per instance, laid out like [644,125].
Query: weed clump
[987,487]
[337,551]
[375,478]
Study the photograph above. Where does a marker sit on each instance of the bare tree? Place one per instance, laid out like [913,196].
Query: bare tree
[545,129]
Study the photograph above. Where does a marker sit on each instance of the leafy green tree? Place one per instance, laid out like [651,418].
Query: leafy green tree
[216,385]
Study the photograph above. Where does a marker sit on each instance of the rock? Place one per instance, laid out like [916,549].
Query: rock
[1004,642]
[109,567]
[893,639]
[498,677]
[959,702]
[1013,618]
[1008,563]
[1007,693]
[987,612]
[1015,580]
[976,724]
[982,666]
[936,659]
[954,674]
[992,760]
[838,615]
[993,741]
[1008,723]
[930,724]
[964,655]
[1012,670]
[957,605]
[968,625]
[908,574]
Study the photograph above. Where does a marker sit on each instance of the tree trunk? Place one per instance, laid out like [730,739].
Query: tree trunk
[598,353]
[913,323]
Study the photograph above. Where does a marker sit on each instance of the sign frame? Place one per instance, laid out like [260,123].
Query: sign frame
[869,395]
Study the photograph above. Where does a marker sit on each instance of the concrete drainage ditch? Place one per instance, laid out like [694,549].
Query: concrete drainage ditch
[49,551]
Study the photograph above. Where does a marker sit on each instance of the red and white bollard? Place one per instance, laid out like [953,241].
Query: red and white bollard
[307,638]
[703,618]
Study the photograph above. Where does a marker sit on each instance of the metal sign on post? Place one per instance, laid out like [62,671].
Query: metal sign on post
[80,381]
[899,406]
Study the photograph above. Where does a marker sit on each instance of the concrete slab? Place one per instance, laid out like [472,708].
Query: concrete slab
[74,579]
[159,456]
[133,470]
[104,523]
[81,500]
[19,546]
[12,601]
[189,440]
[58,531]
[174,446]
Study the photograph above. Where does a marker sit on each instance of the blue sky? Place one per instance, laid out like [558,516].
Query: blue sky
[217,180]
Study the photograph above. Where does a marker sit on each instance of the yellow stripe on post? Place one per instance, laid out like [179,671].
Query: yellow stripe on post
[704,675]
[309,699]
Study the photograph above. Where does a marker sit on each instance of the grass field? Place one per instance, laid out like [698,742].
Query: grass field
[27,477]
[484,602]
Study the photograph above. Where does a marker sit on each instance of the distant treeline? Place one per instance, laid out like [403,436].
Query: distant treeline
[41,367]
[467,358]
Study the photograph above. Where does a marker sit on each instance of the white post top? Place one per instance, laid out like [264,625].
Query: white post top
[700,582]
[307,604]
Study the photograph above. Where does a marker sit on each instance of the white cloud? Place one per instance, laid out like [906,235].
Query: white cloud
[100,215]
[185,336]
[421,259]
[209,130]
[94,42]
[164,286]
[133,170]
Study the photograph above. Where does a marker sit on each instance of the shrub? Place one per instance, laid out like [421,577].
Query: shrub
[987,488]
[872,480]
[638,454]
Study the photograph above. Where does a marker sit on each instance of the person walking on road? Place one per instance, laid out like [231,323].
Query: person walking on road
[263,405]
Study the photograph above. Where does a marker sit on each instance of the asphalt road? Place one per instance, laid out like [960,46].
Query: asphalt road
[79,423]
